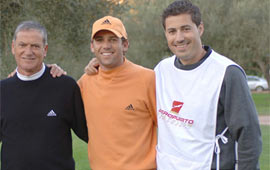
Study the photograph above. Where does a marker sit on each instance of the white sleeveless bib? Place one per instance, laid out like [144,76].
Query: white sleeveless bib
[187,103]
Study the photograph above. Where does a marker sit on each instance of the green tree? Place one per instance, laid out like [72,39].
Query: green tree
[240,30]
[147,41]
[68,23]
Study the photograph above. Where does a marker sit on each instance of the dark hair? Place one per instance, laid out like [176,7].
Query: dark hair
[31,25]
[182,7]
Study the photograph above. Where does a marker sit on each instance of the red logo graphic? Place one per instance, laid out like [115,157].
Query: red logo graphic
[176,106]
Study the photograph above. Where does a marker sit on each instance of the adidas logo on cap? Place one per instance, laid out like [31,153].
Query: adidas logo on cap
[109,23]
[106,22]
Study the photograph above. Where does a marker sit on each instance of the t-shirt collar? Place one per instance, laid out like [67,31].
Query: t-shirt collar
[33,76]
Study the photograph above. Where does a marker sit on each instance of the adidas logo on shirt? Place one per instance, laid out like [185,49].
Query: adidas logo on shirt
[51,114]
[130,107]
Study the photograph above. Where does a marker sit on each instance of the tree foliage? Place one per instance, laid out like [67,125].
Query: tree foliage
[238,29]
[147,41]
[68,23]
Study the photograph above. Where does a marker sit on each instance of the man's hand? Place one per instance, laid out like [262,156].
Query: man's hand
[56,71]
[12,73]
[92,67]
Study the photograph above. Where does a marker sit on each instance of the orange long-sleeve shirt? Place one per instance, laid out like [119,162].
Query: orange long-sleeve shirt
[121,118]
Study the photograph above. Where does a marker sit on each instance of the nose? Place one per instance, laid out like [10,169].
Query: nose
[179,36]
[28,50]
[107,45]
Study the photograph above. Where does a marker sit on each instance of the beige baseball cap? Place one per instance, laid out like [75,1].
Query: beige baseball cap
[109,23]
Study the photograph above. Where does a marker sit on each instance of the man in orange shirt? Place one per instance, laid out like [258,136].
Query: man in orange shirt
[119,103]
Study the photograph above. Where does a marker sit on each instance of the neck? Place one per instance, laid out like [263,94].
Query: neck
[113,67]
[27,76]
[193,60]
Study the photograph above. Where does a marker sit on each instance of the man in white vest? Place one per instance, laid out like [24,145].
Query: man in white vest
[204,106]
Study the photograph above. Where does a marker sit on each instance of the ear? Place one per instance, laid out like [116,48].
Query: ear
[45,50]
[125,45]
[12,47]
[92,46]
[201,28]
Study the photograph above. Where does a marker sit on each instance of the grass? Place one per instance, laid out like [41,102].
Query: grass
[262,102]
[80,153]
[265,156]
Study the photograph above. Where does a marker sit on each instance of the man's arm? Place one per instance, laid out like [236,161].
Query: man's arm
[151,93]
[79,124]
[92,67]
[56,71]
[242,119]
[12,73]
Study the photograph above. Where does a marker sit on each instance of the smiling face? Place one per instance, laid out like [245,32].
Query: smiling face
[29,51]
[184,38]
[109,49]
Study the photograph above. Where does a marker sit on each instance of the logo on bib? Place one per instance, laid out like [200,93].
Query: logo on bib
[173,117]
[176,107]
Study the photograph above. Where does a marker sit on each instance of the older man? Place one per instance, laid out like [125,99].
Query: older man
[37,110]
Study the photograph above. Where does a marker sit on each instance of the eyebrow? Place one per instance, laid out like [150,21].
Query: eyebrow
[34,43]
[97,36]
[183,26]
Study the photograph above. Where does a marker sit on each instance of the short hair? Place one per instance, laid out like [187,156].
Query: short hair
[31,25]
[182,7]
